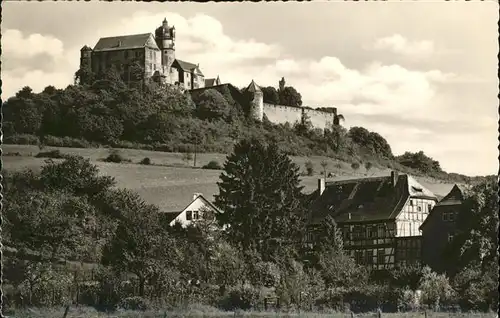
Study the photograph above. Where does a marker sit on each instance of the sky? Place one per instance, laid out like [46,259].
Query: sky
[422,74]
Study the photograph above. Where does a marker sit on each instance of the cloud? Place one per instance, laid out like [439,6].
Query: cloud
[400,45]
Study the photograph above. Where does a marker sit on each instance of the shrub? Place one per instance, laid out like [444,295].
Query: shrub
[145,161]
[309,168]
[66,142]
[355,166]
[12,154]
[54,154]
[214,165]
[245,298]
[134,303]
[22,139]
[116,157]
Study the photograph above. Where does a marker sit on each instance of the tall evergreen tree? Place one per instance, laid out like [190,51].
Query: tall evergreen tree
[260,196]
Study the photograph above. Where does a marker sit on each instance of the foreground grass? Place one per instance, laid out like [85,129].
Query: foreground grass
[205,311]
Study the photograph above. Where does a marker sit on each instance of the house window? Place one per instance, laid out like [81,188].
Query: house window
[189,215]
[411,202]
[381,256]
[429,207]
[358,257]
[369,257]
[448,216]
[346,233]
[450,237]
[196,215]
[381,231]
[419,208]
[125,54]
[373,231]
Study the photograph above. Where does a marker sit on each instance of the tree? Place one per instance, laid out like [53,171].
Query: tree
[368,166]
[140,245]
[290,97]
[260,195]
[419,161]
[324,165]
[435,288]
[271,95]
[212,105]
[477,228]
[355,166]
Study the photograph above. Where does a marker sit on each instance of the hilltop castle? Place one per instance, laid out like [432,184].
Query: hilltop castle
[156,56]
[154,53]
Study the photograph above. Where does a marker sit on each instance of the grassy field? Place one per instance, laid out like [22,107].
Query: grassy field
[170,182]
[204,311]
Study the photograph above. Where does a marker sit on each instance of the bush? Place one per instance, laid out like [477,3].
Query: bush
[214,165]
[22,139]
[145,161]
[53,154]
[115,157]
[134,303]
[12,154]
[245,298]
[309,168]
[355,166]
[66,142]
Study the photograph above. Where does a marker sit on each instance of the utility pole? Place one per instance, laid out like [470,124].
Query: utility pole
[195,149]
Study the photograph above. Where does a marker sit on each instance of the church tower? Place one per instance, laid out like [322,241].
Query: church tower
[165,39]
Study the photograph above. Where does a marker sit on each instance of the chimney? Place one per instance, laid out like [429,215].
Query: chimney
[321,185]
[394,177]
[196,195]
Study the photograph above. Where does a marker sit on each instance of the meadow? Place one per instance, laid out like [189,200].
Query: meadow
[170,182]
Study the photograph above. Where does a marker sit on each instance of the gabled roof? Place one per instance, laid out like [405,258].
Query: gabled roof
[125,42]
[187,66]
[366,199]
[210,81]
[454,198]
[172,215]
[253,87]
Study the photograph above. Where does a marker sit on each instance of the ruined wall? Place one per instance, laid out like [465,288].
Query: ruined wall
[319,119]
[280,114]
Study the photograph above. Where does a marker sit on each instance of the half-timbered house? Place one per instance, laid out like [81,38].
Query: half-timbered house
[379,217]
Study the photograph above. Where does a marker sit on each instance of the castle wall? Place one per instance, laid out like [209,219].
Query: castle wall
[319,119]
[280,114]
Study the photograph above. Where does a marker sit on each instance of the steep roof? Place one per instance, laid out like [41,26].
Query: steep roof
[210,81]
[171,215]
[454,198]
[253,87]
[187,66]
[125,42]
[366,199]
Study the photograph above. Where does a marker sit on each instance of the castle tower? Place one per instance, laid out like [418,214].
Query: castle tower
[256,97]
[165,39]
[86,57]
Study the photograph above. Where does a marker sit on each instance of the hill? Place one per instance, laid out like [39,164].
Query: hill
[110,113]
[170,182]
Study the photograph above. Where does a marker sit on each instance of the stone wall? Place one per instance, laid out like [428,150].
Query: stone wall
[280,114]
[319,119]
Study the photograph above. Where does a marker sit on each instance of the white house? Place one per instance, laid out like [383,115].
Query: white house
[196,210]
